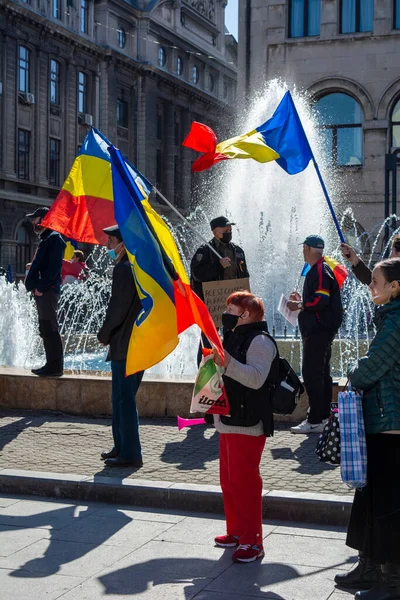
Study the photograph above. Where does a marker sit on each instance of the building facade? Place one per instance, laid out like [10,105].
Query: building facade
[345,54]
[139,70]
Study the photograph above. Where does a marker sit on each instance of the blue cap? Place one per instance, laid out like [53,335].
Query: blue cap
[314,241]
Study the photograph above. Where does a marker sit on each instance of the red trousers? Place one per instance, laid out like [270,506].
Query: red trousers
[241,484]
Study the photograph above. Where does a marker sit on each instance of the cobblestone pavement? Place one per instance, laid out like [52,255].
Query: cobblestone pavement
[65,444]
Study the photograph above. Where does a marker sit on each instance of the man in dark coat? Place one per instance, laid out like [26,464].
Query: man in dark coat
[206,266]
[123,309]
[320,317]
[44,281]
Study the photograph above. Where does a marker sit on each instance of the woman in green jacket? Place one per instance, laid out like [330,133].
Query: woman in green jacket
[374,528]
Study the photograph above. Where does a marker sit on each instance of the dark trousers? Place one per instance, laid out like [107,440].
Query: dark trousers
[125,419]
[47,305]
[317,350]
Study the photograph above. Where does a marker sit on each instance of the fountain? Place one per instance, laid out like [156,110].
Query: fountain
[274,212]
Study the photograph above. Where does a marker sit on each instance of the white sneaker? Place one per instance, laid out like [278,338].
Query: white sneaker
[306,427]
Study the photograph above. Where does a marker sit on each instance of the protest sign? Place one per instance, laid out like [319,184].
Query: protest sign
[216,293]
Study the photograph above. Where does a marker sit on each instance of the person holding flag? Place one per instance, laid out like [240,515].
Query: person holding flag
[123,309]
[320,317]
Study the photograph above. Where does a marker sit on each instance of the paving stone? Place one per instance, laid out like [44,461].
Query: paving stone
[22,585]
[323,531]
[112,532]
[12,540]
[44,514]
[38,441]
[47,557]
[278,581]
[141,514]
[308,551]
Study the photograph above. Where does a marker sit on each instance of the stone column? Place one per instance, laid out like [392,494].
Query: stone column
[168,154]
[10,99]
[40,129]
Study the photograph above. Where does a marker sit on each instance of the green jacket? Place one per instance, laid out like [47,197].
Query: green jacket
[378,373]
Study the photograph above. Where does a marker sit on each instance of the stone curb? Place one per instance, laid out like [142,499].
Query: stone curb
[324,509]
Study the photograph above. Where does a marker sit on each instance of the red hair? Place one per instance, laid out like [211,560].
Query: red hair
[249,302]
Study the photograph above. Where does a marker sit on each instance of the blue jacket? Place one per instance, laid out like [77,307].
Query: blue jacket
[378,373]
[45,272]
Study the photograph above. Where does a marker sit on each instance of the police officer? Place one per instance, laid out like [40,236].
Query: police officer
[44,281]
[206,266]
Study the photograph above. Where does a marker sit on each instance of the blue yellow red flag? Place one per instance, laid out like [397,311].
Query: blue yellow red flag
[281,138]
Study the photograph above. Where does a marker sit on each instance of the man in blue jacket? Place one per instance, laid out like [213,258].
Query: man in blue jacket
[44,281]
[320,317]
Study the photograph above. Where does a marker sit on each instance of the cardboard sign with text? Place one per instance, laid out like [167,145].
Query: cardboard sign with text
[216,293]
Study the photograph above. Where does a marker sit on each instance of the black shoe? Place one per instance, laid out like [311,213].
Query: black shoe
[122,462]
[112,454]
[51,373]
[389,589]
[363,576]
[38,371]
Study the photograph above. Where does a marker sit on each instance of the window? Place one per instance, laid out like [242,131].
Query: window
[23,69]
[121,37]
[23,248]
[396,14]
[396,125]
[211,82]
[195,75]
[179,65]
[82,92]
[305,17]
[122,113]
[84,16]
[54,82]
[357,15]
[162,57]
[54,162]
[56,9]
[23,154]
[340,119]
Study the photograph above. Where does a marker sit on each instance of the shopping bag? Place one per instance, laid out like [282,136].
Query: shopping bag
[328,446]
[209,393]
[353,453]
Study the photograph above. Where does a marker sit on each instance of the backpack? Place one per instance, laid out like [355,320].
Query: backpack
[286,387]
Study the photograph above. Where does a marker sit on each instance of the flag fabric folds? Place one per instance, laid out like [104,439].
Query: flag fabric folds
[70,247]
[340,272]
[169,306]
[281,138]
[85,204]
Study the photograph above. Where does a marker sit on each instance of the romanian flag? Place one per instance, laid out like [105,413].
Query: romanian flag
[169,306]
[281,138]
[85,204]
[340,272]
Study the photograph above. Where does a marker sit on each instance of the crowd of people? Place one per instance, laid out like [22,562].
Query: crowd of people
[250,363]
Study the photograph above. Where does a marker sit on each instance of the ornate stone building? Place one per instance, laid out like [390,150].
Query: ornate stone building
[139,70]
[346,55]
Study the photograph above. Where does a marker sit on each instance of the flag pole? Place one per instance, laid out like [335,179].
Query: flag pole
[335,220]
[180,215]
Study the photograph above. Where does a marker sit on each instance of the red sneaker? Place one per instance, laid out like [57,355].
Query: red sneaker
[227,541]
[246,553]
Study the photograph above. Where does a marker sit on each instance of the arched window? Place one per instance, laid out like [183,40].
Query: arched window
[121,37]
[23,248]
[162,57]
[179,66]
[340,119]
[396,125]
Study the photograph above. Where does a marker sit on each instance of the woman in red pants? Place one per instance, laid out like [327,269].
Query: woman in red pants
[250,363]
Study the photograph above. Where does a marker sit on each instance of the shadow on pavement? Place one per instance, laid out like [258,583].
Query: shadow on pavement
[9,432]
[193,451]
[304,454]
[141,577]
[60,552]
